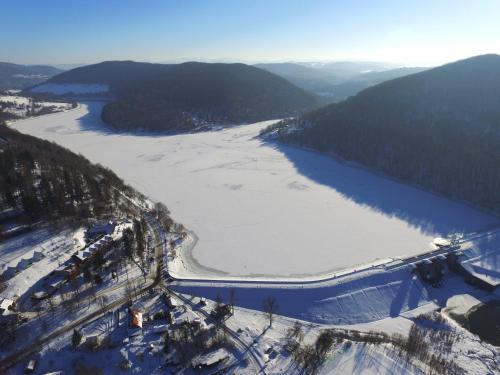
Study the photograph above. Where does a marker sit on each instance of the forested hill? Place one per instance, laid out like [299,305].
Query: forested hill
[439,129]
[14,76]
[47,181]
[120,76]
[183,96]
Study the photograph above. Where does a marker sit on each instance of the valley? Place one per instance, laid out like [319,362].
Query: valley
[263,210]
[250,188]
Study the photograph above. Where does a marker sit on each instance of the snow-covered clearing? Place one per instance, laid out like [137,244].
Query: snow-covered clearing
[262,209]
[18,258]
[17,100]
[23,106]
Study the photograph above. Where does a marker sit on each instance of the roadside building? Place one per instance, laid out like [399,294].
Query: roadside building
[185,315]
[162,328]
[65,270]
[135,319]
[100,229]
[100,246]
[135,323]
[211,359]
[92,342]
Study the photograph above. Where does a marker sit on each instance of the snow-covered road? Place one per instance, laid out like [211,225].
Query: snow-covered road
[263,209]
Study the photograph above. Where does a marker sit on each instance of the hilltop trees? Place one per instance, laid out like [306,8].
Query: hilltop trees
[181,97]
[438,129]
[47,181]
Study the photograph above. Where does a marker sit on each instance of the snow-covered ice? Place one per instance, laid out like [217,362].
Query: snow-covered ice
[259,208]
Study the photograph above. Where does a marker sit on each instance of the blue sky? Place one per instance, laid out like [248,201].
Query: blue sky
[414,32]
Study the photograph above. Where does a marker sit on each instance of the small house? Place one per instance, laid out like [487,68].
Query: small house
[211,359]
[64,270]
[135,319]
[30,367]
[160,328]
[186,315]
[92,342]
[81,256]
[39,295]
[7,313]
[23,264]
[5,305]
[37,256]
[55,285]
[100,229]
[10,272]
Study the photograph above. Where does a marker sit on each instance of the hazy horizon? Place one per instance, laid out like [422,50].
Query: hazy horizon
[415,33]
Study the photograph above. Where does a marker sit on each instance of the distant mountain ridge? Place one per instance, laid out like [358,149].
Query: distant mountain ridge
[337,81]
[119,75]
[181,96]
[15,76]
[439,129]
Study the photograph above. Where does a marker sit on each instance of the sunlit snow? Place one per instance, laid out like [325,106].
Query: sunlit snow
[259,208]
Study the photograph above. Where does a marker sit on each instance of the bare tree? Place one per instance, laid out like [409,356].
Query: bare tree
[232,299]
[295,332]
[129,292]
[75,286]
[51,303]
[270,307]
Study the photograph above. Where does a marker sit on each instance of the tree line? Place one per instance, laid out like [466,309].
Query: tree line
[47,181]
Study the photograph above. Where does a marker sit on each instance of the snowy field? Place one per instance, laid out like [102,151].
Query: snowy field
[261,209]
[21,106]
[19,260]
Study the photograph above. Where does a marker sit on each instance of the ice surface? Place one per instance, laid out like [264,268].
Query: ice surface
[259,208]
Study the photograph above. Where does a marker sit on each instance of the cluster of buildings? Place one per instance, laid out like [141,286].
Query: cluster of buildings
[478,267]
[99,239]
[12,270]
[102,245]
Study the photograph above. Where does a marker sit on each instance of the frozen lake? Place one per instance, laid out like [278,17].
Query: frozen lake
[259,208]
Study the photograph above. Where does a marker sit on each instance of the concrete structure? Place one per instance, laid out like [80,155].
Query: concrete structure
[480,271]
